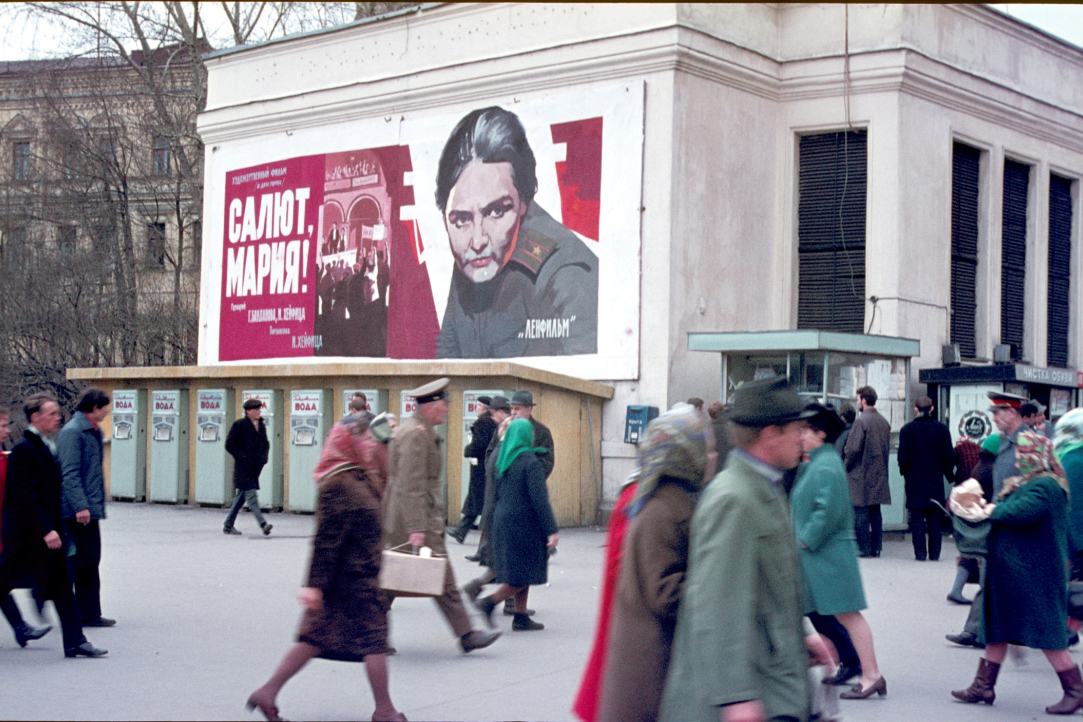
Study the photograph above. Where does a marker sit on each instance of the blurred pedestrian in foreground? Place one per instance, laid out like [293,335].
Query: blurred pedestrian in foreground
[524,527]
[345,617]
[1068,446]
[823,522]
[740,643]
[1026,583]
[676,462]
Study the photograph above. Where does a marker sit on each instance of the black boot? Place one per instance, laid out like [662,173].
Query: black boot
[486,605]
[523,623]
[981,689]
[25,633]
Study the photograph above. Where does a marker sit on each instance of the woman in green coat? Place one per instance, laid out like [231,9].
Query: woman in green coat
[1026,582]
[824,525]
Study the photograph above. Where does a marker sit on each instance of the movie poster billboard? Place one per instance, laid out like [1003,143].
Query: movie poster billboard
[503,231]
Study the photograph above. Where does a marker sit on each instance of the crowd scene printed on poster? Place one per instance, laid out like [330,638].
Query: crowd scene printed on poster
[339,254]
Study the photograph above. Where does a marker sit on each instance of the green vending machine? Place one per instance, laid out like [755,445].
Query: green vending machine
[128,447]
[169,446]
[214,467]
[310,420]
[271,478]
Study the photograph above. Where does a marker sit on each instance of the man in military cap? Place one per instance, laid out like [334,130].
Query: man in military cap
[414,509]
[523,284]
[740,651]
[1005,408]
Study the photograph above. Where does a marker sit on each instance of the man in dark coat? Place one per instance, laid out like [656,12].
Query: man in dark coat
[481,434]
[83,500]
[522,406]
[926,459]
[33,533]
[248,445]
[866,469]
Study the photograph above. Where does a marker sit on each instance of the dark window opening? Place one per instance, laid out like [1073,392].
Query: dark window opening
[156,245]
[1013,269]
[21,155]
[1060,270]
[964,247]
[831,231]
[161,156]
[66,239]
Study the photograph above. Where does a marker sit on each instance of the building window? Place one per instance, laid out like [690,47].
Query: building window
[831,231]
[21,154]
[156,245]
[195,244]
[1060,257]
[16,246]
[1013,269]
[161,156]
[965,178]
[66,239]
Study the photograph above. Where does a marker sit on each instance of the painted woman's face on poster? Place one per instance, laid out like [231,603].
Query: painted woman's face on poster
[491,233]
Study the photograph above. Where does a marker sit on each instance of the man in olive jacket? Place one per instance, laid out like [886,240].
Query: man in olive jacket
[740,651]
[414,509]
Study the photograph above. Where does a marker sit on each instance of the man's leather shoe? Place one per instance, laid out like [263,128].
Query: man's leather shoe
[232,530]
[267,529]
[474,558]
[842,675]
[25,633]
[958,599]
[100,622]
[86,649]
[966,639]
[456,534]
[478,639]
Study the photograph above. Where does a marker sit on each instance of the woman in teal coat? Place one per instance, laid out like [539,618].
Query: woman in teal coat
[824,524]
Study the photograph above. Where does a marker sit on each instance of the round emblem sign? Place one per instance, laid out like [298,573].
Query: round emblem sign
[975,425]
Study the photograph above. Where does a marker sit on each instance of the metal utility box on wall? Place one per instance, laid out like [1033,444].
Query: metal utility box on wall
[169,446]
[214,465]
[376,398]
[271,478]
[470,415]
[636,419]
[128,447]
[310,420]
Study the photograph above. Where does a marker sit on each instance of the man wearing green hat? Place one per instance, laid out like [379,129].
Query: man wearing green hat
[740,651]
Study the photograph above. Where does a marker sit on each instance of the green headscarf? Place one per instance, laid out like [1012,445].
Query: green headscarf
[517,439]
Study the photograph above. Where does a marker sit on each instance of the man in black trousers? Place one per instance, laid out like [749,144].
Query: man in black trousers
[34,539]
[248,445]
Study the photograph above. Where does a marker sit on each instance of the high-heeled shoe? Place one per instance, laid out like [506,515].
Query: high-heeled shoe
[399,717]
[856,692]
[269,711]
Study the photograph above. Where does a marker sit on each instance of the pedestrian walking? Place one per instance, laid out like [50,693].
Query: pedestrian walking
[865,457]
[481,435]
[926,461]
[524,527]
[1068,446]
[1026,584]
[345,617]
[414,507]
[973,550]
[676,462]
[247,443]
[823,523]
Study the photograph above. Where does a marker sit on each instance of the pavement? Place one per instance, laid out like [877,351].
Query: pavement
[203,619]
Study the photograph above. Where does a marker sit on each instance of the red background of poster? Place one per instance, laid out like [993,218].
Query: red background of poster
[241,337]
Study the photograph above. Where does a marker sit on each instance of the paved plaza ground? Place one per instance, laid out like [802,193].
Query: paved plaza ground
[203,618]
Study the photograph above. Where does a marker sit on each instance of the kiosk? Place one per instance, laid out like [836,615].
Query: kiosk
[169,446]
[128,447]
[828,367]
[310,420]
[214,466]
[270,479]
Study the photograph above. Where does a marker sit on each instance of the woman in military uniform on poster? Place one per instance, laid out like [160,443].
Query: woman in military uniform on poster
[524,526]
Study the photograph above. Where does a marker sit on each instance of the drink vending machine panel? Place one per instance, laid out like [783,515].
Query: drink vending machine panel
[377,400]
[271,478]
[310,420]
[407,407]
[214,467]
[169,446]
[128,447]
[470,415]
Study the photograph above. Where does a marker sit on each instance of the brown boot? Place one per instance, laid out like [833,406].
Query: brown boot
[1072,682]
[981,689]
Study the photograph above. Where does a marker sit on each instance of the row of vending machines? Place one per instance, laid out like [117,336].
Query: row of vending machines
[158,470]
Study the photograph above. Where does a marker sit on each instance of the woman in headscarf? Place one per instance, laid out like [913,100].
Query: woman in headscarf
[1026,581]
[676,462]
[345,616]
[523,525]
[1068,446]
[824,524]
